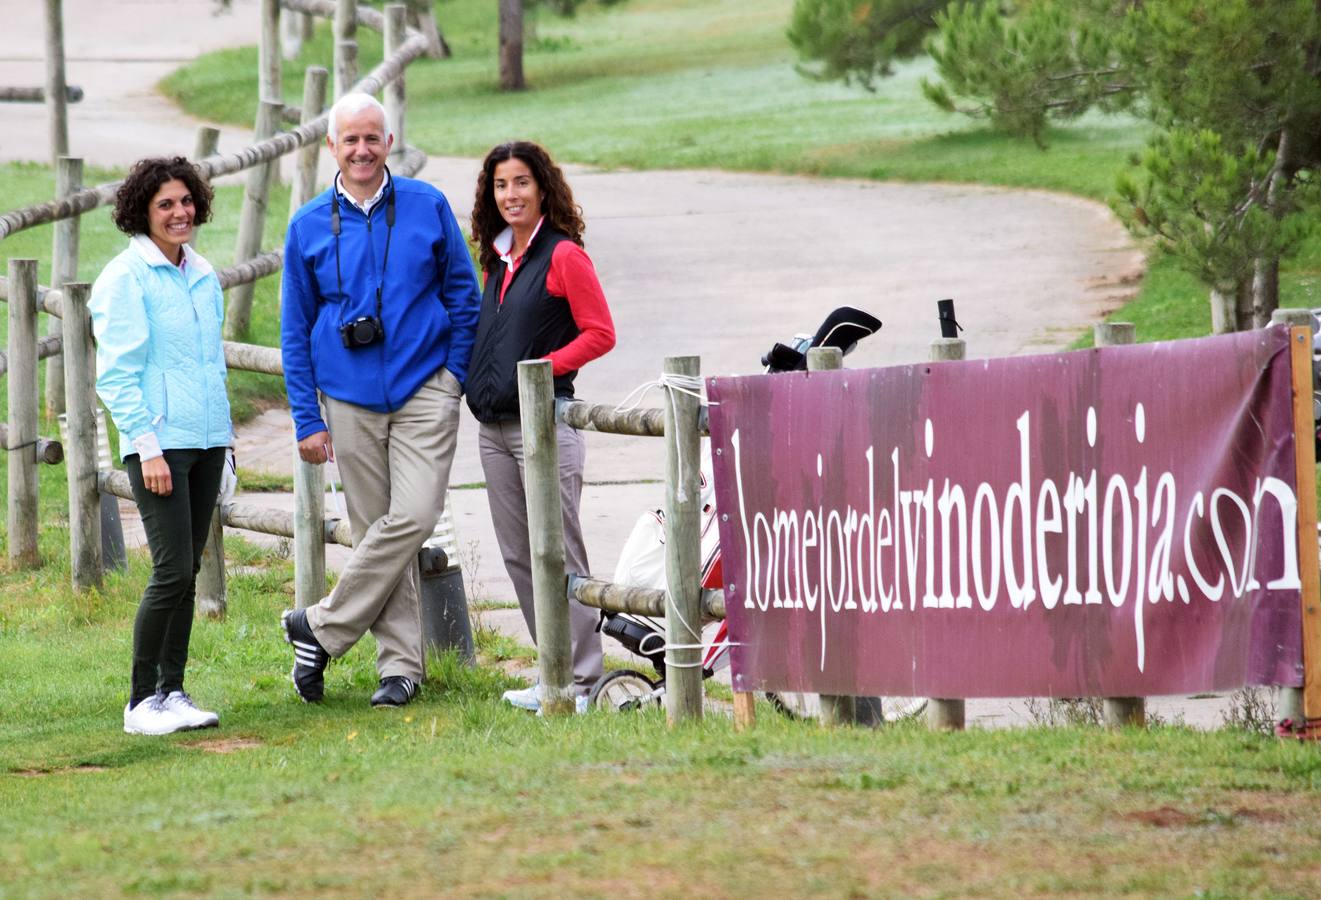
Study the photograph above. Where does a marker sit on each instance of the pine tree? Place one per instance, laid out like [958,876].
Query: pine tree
[1232,86]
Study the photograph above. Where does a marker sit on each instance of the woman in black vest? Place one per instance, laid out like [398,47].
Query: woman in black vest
[542,300]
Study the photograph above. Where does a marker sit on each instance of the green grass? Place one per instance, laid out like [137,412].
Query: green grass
[461,795]
[683,83]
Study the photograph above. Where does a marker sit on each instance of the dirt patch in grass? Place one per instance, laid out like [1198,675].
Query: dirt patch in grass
[223,745]
[41,773]
[1163,817]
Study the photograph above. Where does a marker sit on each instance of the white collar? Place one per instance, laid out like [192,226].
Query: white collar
[504,243]
[372,200]
[194,265]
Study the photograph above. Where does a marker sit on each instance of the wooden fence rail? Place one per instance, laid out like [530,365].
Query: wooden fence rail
[221,164]
[276,522]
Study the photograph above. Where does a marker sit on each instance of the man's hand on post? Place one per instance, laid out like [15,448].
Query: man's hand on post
[316,448]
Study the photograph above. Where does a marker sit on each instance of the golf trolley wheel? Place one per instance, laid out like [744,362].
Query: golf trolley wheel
[622,690]
[871,710]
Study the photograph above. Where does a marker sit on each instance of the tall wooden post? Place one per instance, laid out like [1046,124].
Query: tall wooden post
[1118,712]
[57,109]
[835,709]
[395,103]
[947,714]
[252,222]
[22,384]
[303,188]
[309,532]
[346,66]
[210,595]
[346,56]
[269,86]
[422,16]
[208,142]
[1303,705]
[81,450]
[683,551]
[292,28]
[545,517]
[63,269]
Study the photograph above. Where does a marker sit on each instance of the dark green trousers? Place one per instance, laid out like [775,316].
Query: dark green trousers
[177,528]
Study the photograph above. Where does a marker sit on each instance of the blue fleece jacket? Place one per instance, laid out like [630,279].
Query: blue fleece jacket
[429,301]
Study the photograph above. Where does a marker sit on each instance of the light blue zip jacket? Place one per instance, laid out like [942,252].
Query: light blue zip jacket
[160,366]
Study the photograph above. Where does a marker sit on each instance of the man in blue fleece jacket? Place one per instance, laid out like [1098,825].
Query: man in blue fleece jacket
[379,312]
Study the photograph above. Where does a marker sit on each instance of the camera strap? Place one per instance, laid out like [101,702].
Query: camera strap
[335,230]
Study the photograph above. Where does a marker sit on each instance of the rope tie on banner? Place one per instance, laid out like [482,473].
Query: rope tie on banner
[682,384]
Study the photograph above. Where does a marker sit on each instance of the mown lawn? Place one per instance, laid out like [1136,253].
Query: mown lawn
[458,795]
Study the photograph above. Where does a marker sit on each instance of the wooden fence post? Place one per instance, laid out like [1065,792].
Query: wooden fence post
[835,709]
[22,384]
[346,47]
[210,595]
[269,86]
[536,400]
[683,551]
[1118,712]
[57,98]
[293,26]
[309,531]
[208,142]
[422,16]
[346,66]
[81,450]
[395,103]
[947,714]
[252,223]
[303,188]
[1293,703]
[63,269]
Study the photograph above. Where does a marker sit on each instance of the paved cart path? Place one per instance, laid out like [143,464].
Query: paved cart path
[694,262]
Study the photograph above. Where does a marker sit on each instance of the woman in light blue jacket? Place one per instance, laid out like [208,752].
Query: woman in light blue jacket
[160,371]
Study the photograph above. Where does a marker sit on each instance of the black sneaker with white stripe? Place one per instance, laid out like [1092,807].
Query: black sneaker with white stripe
[310,658]
[395,690]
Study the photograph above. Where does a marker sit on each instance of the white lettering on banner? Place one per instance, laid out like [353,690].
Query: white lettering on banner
[882,557]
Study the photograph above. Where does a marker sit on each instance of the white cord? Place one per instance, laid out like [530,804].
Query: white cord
[683,384]
[334,494]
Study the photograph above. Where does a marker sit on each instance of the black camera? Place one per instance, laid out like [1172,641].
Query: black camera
[362,332]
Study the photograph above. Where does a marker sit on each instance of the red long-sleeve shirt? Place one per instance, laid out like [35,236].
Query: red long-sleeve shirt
[573,277]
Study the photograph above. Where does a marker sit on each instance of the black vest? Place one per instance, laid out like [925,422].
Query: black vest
[529,324]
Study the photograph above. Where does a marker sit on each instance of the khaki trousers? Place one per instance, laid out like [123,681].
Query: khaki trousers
[501,448]
[395,468]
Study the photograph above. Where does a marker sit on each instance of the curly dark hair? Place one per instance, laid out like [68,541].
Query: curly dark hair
[557,204]
[142,183]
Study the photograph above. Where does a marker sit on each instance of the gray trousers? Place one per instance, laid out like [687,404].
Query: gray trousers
[501,448]
[395,468]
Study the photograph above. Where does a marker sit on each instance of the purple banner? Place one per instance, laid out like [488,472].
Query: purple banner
[1110,522]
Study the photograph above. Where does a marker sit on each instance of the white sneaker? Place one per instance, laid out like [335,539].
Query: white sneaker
[528,698]
[182,706]
[150,716]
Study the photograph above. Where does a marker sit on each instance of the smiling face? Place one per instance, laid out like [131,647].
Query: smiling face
[517,194]
[360,148]
[170,218]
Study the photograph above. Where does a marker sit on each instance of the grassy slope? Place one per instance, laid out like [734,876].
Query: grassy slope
[463,795]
